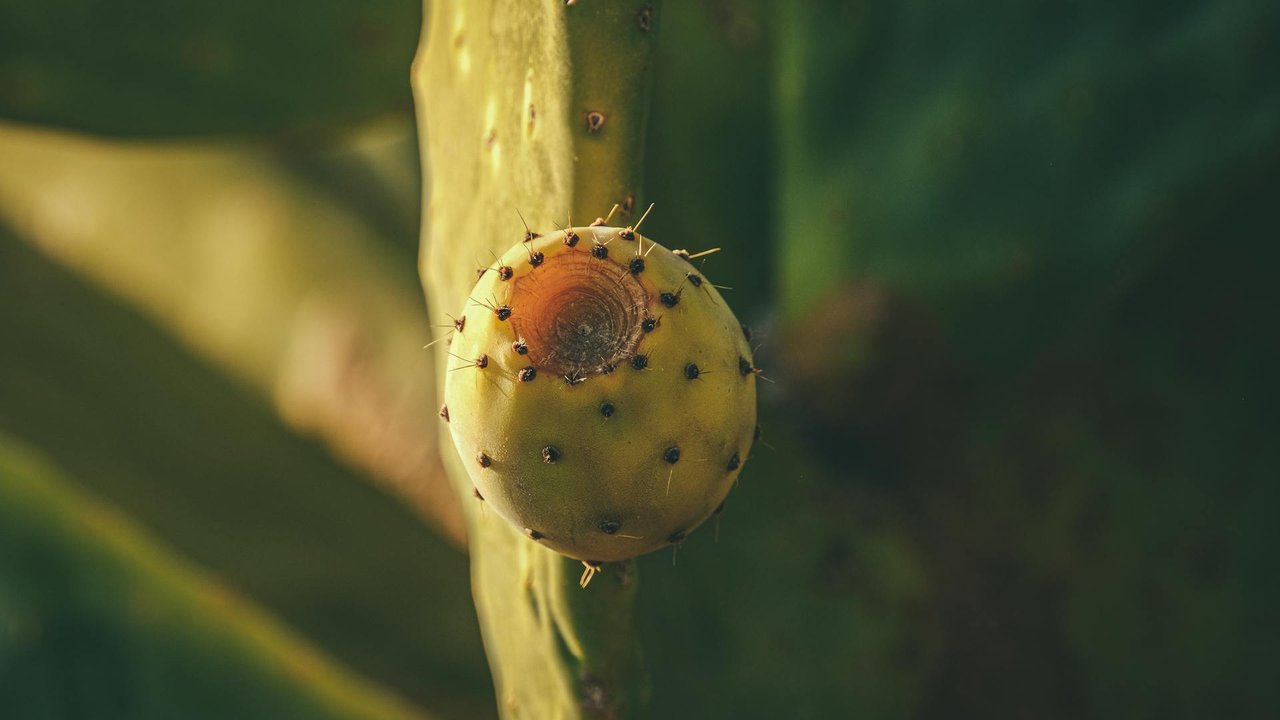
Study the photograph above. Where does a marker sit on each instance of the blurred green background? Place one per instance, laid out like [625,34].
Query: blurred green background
[1010,268]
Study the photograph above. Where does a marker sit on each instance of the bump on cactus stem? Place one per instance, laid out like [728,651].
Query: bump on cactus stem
[578,316]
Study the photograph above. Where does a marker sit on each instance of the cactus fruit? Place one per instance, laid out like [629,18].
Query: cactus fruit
[603,390]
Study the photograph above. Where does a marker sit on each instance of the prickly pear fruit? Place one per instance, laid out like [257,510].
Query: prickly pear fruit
[601,392]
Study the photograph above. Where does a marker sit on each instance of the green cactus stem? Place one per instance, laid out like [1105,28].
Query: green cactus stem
[536,107]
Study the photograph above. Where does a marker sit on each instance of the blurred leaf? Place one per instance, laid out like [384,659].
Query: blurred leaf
[1028,293]
[207,466]
[963,158]
[98,621]
[710,162]
[145,67]
[283,286]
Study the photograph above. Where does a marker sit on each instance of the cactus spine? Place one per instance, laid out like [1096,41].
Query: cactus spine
[538,106]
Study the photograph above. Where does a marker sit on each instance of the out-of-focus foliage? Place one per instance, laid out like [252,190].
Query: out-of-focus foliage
[149,67]
[99,622]
[267,276]
[1026,299]
[204,464]
[711,160]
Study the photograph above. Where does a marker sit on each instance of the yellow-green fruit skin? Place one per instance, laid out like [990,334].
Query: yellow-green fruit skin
[610,487]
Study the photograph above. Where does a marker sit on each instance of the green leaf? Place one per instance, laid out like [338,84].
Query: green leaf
[97,620]
[148,67]
[206,465]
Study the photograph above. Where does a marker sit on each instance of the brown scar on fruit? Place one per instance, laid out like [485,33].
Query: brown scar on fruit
[595,120]
[576,319]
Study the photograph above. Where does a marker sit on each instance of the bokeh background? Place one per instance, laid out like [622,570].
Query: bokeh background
[1011,270]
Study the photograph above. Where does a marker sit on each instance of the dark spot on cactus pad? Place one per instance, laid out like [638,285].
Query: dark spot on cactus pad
[744,366]
[734,462]
[691,371]
[571,238]
[527,373]
[672,455]
[649,324]
[676,537]
[681,254]
[444,413]
[746,331]
[606,408]
[622,572]
[484,460]
[460,322]
[627,234]
[694,278]
[536,257]
[607,368]
[475,493]
[644,18]
[520,347]
[609,527]
[482,362]
[640,362]
[550,454]
[480,273]
[669,299]
[599,251]
[636,266]
[505,272]
[503,312]
[533,534]
[595,121]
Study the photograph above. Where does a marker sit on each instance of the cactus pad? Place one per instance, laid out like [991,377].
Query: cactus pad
[604,391]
